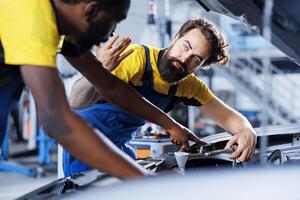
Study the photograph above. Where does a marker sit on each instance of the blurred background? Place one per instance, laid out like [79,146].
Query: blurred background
[28,157]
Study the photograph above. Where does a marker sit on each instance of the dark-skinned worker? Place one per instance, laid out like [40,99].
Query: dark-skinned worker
[31,33]
[165,77]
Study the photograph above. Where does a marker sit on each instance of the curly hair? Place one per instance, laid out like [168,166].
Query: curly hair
[219,53]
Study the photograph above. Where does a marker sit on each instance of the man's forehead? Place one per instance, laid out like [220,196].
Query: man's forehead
[192,33]
[196,37]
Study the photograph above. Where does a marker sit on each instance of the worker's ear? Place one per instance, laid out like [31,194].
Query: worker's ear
[91,10]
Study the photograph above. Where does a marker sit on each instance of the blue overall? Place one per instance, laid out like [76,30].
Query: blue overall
[116,124]
[11,85]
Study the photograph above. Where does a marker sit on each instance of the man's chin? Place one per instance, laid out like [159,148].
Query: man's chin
[174,80]
[170,81]
[84,48]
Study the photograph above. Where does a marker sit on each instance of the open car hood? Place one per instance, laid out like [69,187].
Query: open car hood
[283,151]
[285,21]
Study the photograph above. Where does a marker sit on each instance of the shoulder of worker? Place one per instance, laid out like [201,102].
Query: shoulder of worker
[193,87]
[139,49]
[191,79]
[135,62]
[138,57]
[132,66]
[30,35]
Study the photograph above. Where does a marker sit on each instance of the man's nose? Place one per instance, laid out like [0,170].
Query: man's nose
[181,59]
[184,57]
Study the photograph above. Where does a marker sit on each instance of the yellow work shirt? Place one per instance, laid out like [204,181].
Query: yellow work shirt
[191,90]
[28,32]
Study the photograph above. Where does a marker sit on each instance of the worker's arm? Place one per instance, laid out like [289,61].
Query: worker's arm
[111,54]
[83,94]
[122,95]
[234,123]
[68,129]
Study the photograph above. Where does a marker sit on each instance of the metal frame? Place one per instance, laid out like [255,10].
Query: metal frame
[7,166]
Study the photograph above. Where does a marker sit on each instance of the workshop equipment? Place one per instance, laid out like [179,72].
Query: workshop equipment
[153,147]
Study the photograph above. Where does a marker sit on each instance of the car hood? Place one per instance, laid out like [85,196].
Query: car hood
[285,23]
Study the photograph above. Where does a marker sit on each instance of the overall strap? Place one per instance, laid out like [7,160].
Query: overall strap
[172,90]
[148,76]
[1,54]
[171,98]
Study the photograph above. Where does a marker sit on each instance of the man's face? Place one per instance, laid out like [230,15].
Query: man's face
[100,28]
[184,56]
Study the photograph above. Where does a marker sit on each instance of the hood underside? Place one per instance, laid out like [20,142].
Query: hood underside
[285,21]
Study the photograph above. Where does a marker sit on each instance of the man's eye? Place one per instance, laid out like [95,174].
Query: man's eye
[186,48]
[197,60]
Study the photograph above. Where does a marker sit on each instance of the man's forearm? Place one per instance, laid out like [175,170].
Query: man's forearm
[118,92]
[236,123]
[226,117]
[83,94]
[68,129]
[93,151]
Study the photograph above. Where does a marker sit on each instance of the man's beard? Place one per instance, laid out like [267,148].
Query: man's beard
[168,71]
[97,32]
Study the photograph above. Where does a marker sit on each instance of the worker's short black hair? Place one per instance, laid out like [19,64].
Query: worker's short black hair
[107,4]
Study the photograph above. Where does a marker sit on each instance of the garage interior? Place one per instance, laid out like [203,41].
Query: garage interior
[261,82]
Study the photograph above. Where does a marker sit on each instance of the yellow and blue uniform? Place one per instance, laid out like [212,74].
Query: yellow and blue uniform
[28,36]
[191,90]
[28,32]
[140,70]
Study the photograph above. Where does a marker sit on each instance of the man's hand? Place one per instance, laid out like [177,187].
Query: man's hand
[246,142]
[112,54]
[180,135]
[235,123]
